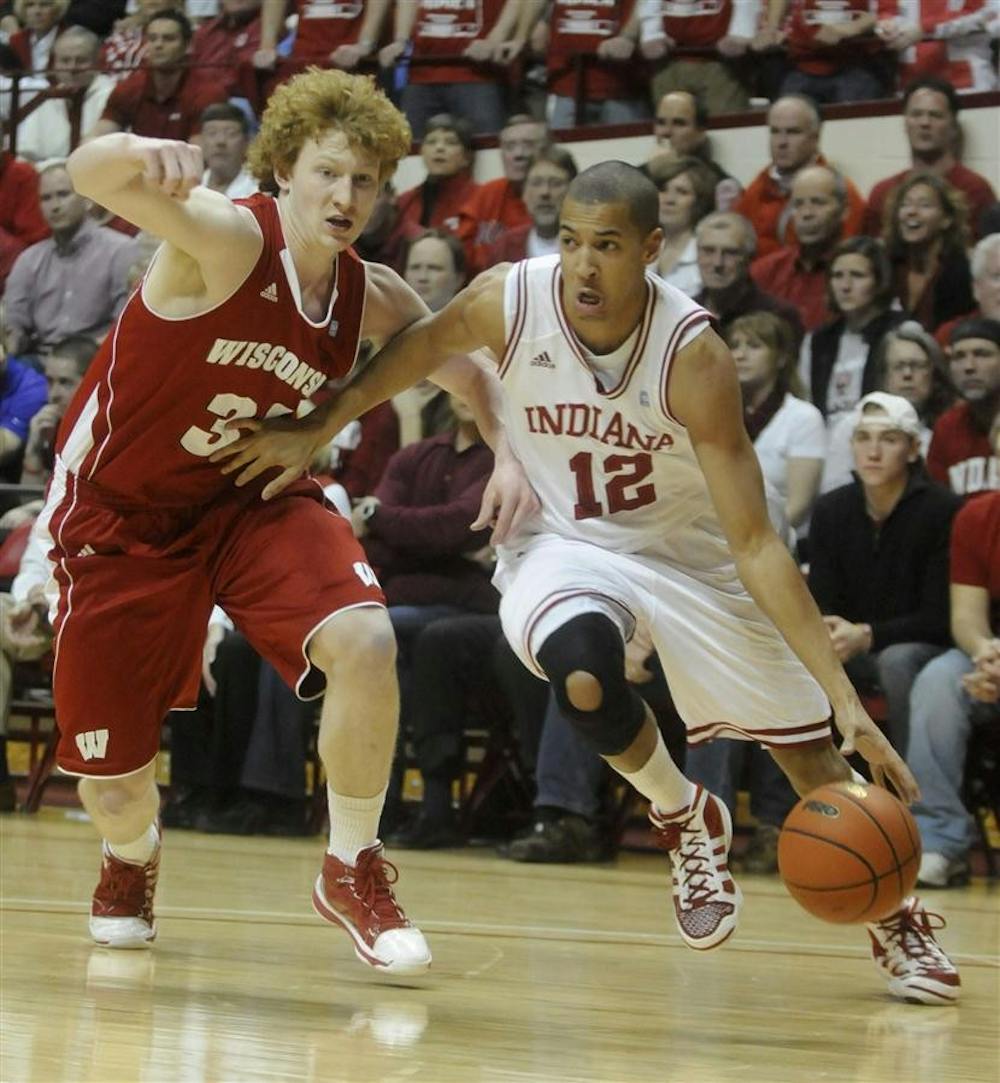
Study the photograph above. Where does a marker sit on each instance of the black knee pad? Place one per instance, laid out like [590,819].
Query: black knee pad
[591,643]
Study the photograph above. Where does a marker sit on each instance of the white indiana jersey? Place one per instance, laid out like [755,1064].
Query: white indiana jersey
[611,467]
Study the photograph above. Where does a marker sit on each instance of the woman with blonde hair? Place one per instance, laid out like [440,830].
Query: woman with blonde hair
[926,234]
[788,433]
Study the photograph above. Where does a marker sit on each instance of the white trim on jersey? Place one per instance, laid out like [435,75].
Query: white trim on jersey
[204,312]
[292,277]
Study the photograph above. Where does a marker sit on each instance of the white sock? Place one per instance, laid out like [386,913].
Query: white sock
[856,776]
[140,850]
[353,823]
[661,780]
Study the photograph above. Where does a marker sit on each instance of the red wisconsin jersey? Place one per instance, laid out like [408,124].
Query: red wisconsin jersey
[155,399]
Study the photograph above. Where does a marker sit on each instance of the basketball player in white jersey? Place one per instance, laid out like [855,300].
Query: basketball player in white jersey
[624,406]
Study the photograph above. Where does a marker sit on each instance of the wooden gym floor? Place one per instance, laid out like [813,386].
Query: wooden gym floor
[542,974]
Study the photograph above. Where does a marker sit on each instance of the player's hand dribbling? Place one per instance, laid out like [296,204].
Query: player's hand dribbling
[170,166]
[862,735]
[279,442]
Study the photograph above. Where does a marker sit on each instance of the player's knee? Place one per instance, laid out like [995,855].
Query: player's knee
[584,691]
[360,641]
[116,798]
[584,660]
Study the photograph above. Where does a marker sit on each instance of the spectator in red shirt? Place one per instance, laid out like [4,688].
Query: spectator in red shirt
[497,205]
[833,50]
[606,34]
[549,177]
[951,39]
[726,246]
[448,155]
[164,99]
[337,35]
[220,46]
[797,272]
[794,123]
[125,47]
[441,28]
[957,690]
[331,35]
[930,116]
[960,454]
[21,220]
[42,23]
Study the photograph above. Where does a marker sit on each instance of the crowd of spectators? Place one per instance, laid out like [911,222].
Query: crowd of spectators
[865,333]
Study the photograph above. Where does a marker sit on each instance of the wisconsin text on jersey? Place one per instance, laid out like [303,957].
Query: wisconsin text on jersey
[269,357]
[581,419]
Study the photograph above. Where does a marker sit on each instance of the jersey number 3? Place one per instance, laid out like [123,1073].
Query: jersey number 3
[225,407]
[623,473]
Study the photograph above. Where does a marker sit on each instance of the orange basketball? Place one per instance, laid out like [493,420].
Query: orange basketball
[849,852]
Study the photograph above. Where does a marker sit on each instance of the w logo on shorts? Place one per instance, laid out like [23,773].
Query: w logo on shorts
[92,744]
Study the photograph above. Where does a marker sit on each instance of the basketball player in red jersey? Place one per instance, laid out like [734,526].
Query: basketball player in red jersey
[624,407]
[247,310]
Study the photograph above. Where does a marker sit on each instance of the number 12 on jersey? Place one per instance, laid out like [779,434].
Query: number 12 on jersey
[622,489]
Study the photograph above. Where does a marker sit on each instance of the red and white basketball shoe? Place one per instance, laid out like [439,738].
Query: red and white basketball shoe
[360,899]
[707,901]
[905,951]
[121,913]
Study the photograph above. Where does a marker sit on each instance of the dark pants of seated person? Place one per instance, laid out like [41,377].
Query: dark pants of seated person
[892,672]
[719,766]
[208,745]
[572,783]
[408,622]
[239,760]
[570,776]
[457,663]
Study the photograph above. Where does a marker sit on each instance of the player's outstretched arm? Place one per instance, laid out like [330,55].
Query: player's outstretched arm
[705,396]
[414,344]
[155,184]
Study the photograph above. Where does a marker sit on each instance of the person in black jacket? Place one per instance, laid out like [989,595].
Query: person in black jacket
[879,558]
[837,363]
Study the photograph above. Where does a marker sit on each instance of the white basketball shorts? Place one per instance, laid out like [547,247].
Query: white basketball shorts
[730,672]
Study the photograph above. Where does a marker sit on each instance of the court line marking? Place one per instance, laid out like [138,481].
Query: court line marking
[626,937]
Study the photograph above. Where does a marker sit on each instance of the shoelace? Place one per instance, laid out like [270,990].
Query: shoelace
[373,878]
[913,934]
[695,863]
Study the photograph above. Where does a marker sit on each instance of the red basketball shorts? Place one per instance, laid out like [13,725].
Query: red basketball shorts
[137,586]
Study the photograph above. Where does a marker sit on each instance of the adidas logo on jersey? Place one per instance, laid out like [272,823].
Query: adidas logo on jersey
[543,361]
[270,292]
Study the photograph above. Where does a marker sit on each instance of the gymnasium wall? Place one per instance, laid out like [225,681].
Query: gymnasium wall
[866,148]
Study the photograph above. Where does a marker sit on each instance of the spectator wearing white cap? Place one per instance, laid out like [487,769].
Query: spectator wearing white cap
[879,558]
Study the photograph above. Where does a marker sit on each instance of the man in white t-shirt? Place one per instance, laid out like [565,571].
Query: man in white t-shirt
[46,133]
